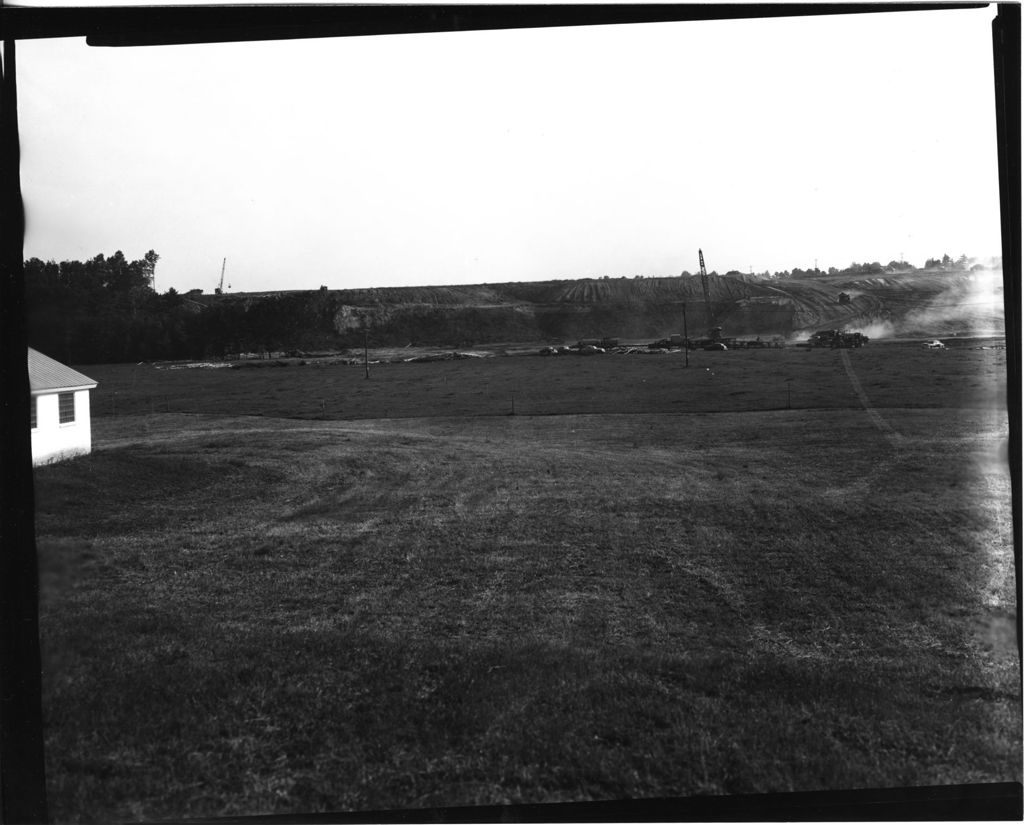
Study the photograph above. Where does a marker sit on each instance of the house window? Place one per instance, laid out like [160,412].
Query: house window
[66,405]
[32,410]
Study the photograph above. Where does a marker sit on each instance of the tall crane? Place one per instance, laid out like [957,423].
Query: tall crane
[707,294]
[220,287]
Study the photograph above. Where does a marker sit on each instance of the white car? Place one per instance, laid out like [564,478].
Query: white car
[933,345]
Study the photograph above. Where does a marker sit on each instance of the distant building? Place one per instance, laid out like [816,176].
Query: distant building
[59,409]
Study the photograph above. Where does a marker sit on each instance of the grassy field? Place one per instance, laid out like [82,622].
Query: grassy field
[894,375]
[253,603]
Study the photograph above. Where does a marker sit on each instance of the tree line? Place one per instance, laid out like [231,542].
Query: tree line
[106,310]
[103,310]
[855,269]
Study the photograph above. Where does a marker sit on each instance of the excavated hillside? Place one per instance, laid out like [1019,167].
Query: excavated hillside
[915,303]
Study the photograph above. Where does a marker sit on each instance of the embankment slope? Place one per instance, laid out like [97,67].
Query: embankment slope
[919,302]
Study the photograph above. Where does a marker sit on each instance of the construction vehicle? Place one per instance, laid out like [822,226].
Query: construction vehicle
[220,287]
[837,339]
[604,343]
[713,332]
[849,340]
[713,340]
[713,337]
[674,341]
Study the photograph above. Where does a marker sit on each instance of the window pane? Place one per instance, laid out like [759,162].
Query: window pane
[66,401]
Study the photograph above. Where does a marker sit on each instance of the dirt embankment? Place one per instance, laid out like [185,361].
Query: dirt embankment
[910,303]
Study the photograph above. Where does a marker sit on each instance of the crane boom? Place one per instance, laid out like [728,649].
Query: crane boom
[220,286]
[707,292]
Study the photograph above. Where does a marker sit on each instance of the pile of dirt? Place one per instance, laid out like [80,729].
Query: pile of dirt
[912,303]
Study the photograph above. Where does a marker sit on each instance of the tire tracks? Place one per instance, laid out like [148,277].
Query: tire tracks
[895,439]
[887,430]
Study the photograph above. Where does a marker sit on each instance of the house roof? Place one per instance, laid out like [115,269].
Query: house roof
[46,374]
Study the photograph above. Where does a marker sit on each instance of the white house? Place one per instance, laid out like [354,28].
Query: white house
[61,426]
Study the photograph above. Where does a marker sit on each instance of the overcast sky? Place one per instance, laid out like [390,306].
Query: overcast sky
[477,157]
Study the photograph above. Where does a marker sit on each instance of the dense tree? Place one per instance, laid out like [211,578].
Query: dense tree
[149,266]
[103,309]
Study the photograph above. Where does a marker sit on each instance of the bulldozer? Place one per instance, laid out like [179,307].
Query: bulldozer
[838,339]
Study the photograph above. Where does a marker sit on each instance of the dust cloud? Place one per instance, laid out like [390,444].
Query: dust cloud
[878,329]
[972,305]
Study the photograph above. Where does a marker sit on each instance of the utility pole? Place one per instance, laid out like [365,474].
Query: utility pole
[366,351]
[686,338]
